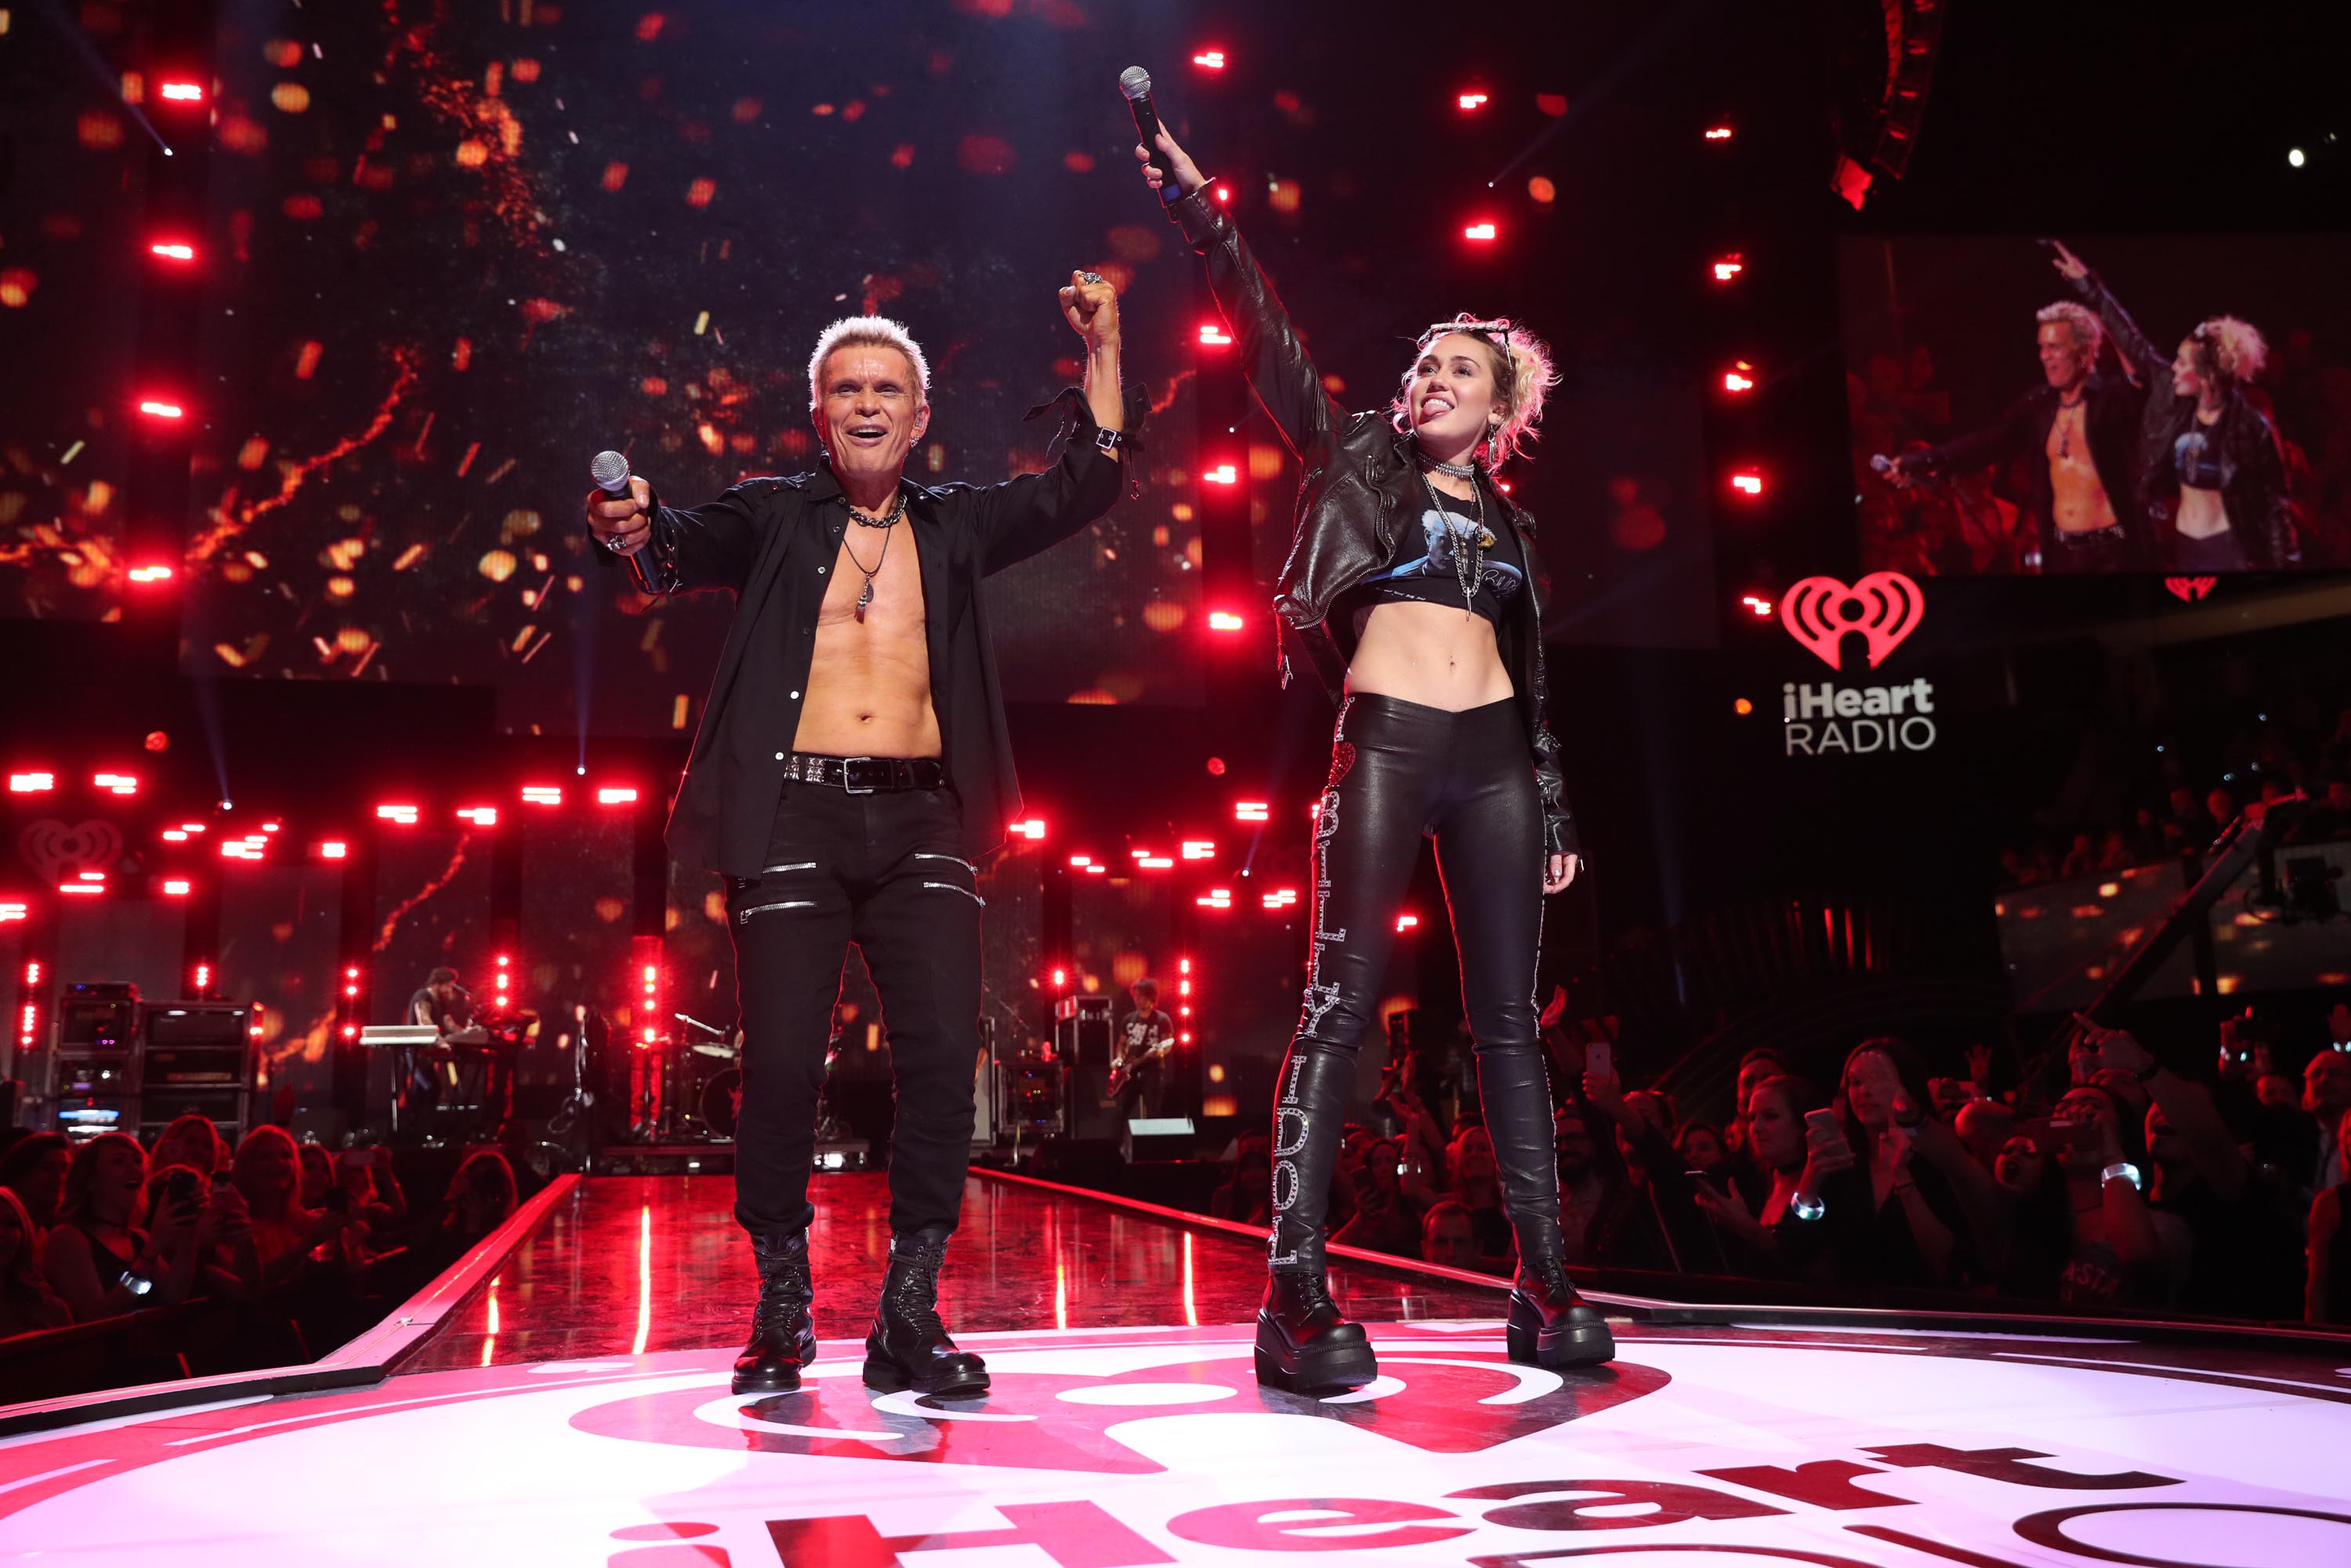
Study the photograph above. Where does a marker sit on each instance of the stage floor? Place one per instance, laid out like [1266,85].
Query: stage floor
[589,1423]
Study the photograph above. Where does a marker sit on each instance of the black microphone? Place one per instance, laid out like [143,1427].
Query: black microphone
[610,470]
[1136,83]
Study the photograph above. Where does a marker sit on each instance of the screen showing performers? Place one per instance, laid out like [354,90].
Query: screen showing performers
[2098,405]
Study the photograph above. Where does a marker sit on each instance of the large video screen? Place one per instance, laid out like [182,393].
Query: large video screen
[459,250]
[2183,407]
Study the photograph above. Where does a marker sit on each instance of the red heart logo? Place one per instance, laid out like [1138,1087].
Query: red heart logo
[2189,590]
[55,850]
[1884,607]
[1448,1400]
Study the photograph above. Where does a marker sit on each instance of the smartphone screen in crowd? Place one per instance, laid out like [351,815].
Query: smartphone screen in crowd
[1600,1059]
[1820,1127]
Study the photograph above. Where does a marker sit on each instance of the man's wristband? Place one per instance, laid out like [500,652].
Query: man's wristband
[1806,1208]
[2143,1075]
[2125,1169]
[1109,440]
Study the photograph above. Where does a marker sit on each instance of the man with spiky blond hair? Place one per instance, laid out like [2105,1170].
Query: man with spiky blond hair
[2077,429]
[851,764]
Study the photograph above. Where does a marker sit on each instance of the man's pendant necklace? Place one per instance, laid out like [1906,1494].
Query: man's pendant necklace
[2065,429]
[885,524]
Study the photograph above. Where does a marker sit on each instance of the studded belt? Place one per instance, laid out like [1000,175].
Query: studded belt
[864,775]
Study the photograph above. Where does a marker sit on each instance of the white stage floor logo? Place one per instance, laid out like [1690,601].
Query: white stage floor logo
[1697,1448]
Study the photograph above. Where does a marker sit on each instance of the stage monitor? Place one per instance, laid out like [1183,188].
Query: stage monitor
[2180,411]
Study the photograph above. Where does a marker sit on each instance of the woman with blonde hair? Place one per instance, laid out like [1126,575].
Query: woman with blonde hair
[98,1259]
[268,1172]
[2212,473]
[1411,589]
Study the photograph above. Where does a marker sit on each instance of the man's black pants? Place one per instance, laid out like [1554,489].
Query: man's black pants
[884,871]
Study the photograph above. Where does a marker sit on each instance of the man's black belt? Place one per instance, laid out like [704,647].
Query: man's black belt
[864,775]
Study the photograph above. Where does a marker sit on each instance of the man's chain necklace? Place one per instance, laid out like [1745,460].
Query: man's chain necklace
[885,524]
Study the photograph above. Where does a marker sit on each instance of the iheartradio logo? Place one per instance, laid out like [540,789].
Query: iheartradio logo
[1884,607]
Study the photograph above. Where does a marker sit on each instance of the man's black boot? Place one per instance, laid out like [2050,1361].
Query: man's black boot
[783,1334]
[909,1347]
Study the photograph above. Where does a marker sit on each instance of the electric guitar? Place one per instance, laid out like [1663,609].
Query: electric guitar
[1142,1045]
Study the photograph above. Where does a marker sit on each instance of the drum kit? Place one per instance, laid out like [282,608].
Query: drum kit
[688,1088]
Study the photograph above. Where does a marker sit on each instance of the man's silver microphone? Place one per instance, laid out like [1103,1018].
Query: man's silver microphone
[610,470]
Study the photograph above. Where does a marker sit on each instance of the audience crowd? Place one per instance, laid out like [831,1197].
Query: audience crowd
[2147,793]
[288,1249]
[2108,1181]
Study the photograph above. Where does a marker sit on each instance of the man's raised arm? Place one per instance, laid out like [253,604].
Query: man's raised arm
[1035,511]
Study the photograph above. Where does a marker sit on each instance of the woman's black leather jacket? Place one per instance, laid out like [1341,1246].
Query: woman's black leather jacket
[1360,484]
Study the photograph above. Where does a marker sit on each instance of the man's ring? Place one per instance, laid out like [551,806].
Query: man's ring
[1089,276]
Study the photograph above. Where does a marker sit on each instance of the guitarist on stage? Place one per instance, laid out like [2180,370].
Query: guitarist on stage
[1145,1036]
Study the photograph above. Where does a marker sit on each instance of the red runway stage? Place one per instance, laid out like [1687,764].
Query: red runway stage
[573,1410]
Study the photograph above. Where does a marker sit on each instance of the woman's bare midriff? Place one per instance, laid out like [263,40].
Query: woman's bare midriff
[2202,513]
[1430,654]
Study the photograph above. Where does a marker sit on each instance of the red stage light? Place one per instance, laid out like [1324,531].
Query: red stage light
[1746,482]
[204,978]
[542,795]
[157,573]
[1742,708]
[1096,869]
[480,816]
[1478,231]
[1215,898]
[33,973]
[403,814]
[351,972]
[1183,966]
[1156,862]
[1029,827]
[1215,337]
[1718,134]
[1761,606]
[1081,862]
[175,887]
[1729,267]
[160,409]
[31,783]
[350,1031]
[116,783]
[1223,474]
[1209,60]
[1199,849]
[172,251]
[10,910]
[350,990]
[1060,977]
[616,795]
[181,92]
[1468,100]
[1281,898]
[1250,811]
[81,887]
[1737,380]
[1406,922]
[1224,621]
[334,850]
